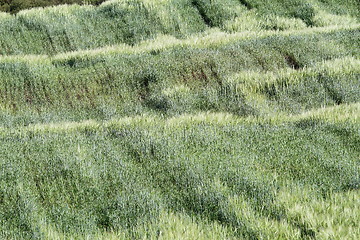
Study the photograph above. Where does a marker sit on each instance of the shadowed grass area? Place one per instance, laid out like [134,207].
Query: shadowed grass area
[18,5]
[247,77]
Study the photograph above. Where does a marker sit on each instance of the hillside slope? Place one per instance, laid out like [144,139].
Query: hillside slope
[181,119]
[72,27]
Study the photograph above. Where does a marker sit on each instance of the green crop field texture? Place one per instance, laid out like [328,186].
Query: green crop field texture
[14,6]
[180,119]
[72,27]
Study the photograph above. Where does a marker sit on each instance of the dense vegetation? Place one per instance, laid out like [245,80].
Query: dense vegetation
[181,119]
[14,6]
[72,27]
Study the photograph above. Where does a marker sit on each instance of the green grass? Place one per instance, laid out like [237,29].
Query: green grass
[179,119]
[77,27]
[253,76]
[18,5]
[81,181]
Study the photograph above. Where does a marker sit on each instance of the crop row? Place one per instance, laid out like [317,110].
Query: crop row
[72,27]
[124,175]
[275,73]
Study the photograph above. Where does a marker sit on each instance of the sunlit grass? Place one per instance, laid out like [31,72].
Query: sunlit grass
[336,217]
[180,119]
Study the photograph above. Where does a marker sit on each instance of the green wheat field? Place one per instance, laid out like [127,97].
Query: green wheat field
[181,119]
